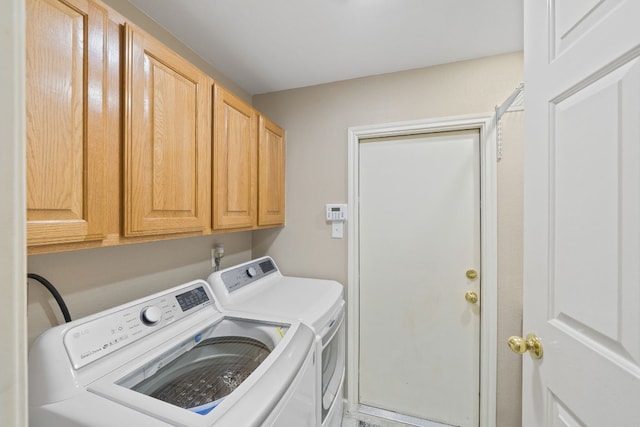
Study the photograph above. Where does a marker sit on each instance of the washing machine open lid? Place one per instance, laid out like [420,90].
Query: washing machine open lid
[248,363]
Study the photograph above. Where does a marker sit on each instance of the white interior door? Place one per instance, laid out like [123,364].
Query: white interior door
[419,229]
[582,212]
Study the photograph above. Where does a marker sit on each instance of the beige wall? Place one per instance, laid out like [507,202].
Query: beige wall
[510,251]
[92,280]
[317,118]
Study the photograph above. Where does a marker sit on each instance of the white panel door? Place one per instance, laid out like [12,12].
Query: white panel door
[419,219]
[582,212]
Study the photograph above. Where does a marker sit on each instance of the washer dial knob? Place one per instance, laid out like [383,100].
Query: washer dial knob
[251,272]
[151,315]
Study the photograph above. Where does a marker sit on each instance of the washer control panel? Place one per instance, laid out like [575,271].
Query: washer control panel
[104,335]
[244,275]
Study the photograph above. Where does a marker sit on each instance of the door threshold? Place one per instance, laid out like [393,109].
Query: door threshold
[400,418]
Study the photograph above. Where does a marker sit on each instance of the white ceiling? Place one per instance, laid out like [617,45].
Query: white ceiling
[270,45]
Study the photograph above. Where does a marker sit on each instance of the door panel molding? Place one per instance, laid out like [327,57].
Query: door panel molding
[485,124]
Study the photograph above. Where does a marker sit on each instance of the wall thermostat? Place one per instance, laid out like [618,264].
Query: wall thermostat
[336,212]
[336,215]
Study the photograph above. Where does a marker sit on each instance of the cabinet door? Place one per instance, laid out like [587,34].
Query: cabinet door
[65,121]
[271,167]
[234,162]
[166,139]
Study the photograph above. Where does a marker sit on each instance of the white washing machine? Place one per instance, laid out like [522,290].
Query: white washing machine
[258,287]
[173,359]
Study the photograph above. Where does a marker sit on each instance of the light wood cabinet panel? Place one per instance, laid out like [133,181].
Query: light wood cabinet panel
[271,167]
[166,139]
[119,138]
[234,162]
[65,121]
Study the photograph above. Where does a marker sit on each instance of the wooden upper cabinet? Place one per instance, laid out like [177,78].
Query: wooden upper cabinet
[271,167]
[65,121]
[234,162]
[167,136]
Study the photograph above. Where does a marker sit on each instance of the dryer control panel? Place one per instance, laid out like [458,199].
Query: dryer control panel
[108,332]
[241,276]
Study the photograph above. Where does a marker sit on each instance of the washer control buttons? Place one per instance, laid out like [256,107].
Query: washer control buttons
[151,315]
[251,272]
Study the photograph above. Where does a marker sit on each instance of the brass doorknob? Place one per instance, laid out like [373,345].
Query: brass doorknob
[471,296]
[532,344]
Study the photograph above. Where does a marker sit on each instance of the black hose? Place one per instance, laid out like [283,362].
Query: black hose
[54,292]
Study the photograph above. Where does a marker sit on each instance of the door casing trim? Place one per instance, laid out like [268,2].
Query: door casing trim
[486,125]
[14,397]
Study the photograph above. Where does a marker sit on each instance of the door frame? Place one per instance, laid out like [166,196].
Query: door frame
[486,125]
[13,265]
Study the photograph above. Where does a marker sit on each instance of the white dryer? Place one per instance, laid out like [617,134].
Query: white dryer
[173,359]
[258,287]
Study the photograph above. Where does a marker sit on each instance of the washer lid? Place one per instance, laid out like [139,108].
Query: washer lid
[312,301]
[138,385]
[258,286]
